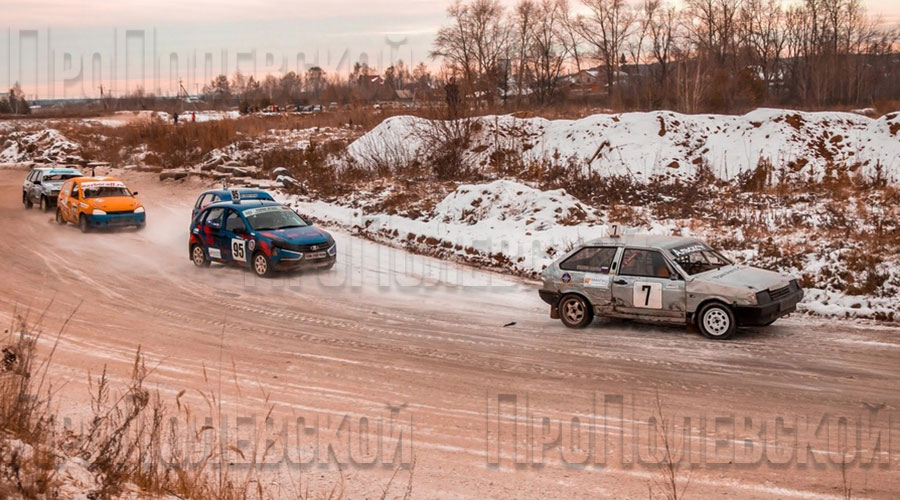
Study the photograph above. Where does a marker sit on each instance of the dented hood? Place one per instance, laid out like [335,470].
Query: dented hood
[744,277]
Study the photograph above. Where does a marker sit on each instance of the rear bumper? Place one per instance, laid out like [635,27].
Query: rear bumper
[549,296]
[764,314]
[117,220]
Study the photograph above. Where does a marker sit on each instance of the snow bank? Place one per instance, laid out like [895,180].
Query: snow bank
[502,223]
[667,144]
[45,146]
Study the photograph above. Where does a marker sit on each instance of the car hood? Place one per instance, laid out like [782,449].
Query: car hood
[51,185]
[306,235]
[115,203]
[744,277]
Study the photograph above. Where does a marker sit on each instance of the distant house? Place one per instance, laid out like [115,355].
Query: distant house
[405,95]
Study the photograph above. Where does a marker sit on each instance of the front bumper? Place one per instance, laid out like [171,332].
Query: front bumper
[117,220]
[295,264]
[765,313]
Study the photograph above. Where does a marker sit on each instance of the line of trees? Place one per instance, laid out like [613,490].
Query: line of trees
[15,102]
[363,85]
[716,55]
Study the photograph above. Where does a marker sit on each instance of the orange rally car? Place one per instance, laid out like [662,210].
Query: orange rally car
[99,202]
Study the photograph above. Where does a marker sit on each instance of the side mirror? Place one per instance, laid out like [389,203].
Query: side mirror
[134,193]
[37,182]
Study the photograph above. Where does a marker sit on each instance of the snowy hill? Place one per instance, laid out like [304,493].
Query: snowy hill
[799,145]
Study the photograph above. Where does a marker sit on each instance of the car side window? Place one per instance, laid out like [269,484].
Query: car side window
[201,201]
[645,263]
[214,215]
[234,223]
[590,259]
[74,193]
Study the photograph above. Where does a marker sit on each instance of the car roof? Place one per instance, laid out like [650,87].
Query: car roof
[240,206]
[240,190]
[644,241]
[59,169]
[79,180]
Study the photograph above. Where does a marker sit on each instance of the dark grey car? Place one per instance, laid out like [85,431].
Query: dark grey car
[666,279]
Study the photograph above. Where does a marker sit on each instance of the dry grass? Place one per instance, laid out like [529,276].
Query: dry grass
[133,437]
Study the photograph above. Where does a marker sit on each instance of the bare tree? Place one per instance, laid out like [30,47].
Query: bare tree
[607,27]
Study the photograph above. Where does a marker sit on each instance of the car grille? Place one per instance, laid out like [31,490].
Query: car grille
[780,293]
[316,247]
[121,212]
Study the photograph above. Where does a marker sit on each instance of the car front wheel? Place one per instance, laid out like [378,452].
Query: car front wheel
[716,321]
[261,265]
[83,224]
[45,204]
[26,200]
[59,218]
[575,311]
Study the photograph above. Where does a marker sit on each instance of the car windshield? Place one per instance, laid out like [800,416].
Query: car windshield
[696,258]
[272,218]
[105,191]
[59,177]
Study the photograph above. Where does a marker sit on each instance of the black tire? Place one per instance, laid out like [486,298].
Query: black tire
[45,204]
[26,200]
[769,322]
[59,218]
[575,311]
[716,321]
[83,224]
[261,265]
[198,256]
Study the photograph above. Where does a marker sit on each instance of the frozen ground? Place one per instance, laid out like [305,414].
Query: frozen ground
[438,341]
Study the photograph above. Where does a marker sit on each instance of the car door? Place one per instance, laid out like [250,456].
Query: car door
[232,236]
[72,203]
[589,270]
[212,229]
[646,284]
[28,186]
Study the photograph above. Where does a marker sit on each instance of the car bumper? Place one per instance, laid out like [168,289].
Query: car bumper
[764,314]
[286,264]
[117,220]
[549,296]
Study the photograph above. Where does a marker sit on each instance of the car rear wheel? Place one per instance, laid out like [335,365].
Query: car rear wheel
[83,224]
[198,256]
[26,200]
[59,218]
[45,204]
[716,321]
[261,265]
[575,311]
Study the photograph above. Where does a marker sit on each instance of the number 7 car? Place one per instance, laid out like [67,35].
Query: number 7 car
[263,235]
[664,279]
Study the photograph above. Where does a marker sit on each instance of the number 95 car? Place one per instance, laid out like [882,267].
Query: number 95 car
[261,234]
[664,279]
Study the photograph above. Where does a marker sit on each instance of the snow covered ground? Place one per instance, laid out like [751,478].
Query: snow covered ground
[668,145]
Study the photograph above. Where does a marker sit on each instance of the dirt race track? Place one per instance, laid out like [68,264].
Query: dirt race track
[386,329]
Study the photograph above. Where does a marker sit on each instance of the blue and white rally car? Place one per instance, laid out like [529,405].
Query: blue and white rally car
[261,234]
[207,198]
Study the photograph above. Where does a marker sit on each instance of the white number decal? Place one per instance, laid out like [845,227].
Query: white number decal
[237,249]
[647,295]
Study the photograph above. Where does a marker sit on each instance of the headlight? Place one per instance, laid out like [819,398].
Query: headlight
[332,250]
[97,211]
[139,210]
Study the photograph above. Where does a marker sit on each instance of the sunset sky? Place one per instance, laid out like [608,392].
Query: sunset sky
[198,39]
